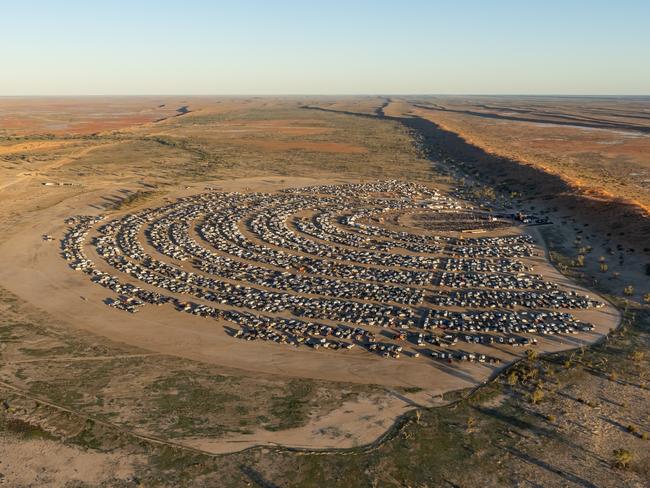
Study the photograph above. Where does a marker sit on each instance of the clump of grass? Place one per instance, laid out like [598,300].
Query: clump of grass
[290,409]
[24,429]
[622,458]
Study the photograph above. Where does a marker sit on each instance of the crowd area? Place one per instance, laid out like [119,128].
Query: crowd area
[311,267]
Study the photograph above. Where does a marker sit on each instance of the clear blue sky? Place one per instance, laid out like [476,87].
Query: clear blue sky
[324,47]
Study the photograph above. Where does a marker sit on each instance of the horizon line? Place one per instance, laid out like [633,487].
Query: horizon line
[89,95]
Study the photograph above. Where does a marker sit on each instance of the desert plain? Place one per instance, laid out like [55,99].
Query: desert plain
[165,398]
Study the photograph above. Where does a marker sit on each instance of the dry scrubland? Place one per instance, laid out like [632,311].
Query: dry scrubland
[585,161]
[601,146]
[83,410]
[66,116]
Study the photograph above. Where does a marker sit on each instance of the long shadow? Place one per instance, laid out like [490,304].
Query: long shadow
[538,430]
[567,340]
[513,421]
[405,399]
[256,477]
[376,115]
[614,423]
[606,376]
[442,145]
[455,372]
[379,111]
[451,484]
[551,469]
[611,402]
[568,396]
[604,112]
[573,122]
[536,112]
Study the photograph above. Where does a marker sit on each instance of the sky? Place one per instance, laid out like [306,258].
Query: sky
[194,47]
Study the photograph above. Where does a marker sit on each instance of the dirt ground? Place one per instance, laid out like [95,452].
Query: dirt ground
[24,116]
[598,146]
[63,349]
[32,269]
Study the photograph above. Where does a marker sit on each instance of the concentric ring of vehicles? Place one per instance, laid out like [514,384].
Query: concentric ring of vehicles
[319,267]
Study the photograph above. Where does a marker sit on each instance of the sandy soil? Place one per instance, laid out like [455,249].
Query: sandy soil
[351,424]
[33,269]
[324,147]
[607,157]
[36,463]
[33,146]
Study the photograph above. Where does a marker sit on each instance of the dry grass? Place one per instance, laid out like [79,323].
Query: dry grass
[608,154]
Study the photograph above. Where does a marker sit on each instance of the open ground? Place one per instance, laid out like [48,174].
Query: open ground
[172,389]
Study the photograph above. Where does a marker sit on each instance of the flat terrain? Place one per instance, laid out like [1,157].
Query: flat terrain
[76,116]
[151,397]
[597,146]
[33,269]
